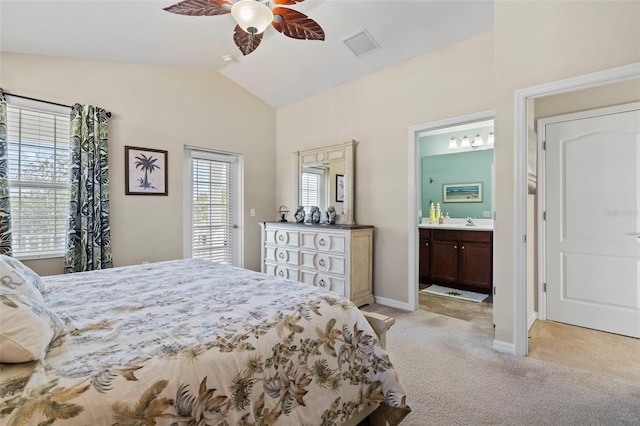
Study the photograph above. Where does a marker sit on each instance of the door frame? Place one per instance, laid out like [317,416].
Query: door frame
[414,177]
[237,176]
[584,81]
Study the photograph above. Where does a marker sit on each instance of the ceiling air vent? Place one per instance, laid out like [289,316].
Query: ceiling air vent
[361,43]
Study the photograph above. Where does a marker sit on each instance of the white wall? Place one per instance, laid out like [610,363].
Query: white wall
[162,108]
[377,111]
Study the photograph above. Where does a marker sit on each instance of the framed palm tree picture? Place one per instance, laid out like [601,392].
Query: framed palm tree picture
[145,171]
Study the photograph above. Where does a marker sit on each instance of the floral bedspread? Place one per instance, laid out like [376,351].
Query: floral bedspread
[191,342]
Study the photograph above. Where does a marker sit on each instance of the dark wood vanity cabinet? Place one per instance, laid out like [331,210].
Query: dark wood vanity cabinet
[425,240]
[461,259]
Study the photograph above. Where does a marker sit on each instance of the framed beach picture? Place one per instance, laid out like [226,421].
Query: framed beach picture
[462,192]
[145,171]
[339,188]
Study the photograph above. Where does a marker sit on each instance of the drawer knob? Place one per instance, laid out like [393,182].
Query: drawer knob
[321,262]
[281,255]
[455,246]
[281,238]
[462,247]
[321,242]
[321,283]
[281,273]
[426,244]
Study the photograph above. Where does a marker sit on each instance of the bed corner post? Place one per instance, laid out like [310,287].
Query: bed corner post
[380,323]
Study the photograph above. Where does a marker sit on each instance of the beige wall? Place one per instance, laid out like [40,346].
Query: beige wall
[377,111]
[538,42]
[582,100]
[533,42]
[162,108]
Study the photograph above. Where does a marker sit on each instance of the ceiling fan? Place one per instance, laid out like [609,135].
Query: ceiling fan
[253,17]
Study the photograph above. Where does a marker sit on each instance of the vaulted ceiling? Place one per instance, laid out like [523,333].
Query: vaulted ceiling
[280,71]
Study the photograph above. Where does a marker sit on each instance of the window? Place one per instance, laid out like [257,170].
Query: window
[313,188]
[214,206]
[38,174]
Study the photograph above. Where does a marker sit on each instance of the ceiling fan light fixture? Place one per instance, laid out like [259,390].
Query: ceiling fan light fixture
[252,16]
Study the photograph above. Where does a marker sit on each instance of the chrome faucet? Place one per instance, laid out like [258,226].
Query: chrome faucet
[470,222]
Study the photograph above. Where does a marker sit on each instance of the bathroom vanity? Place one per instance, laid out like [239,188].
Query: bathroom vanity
[457,256]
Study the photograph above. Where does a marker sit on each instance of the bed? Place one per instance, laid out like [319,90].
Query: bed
[192,342]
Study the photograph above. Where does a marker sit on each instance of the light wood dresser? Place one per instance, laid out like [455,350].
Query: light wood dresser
[336,257]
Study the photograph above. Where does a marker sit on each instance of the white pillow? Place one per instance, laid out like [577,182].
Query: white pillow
[26,327]
[28,272]
[16,279]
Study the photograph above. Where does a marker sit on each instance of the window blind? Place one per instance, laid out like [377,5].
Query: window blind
[312,188]
[38,173]
[211,210]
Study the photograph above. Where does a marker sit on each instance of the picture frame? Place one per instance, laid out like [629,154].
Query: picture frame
[339,188]
[462,192]
[145,171]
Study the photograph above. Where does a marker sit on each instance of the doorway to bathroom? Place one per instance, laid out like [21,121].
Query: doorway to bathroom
[454,195]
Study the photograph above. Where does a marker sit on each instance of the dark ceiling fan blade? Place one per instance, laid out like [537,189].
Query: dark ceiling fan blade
[246,42]
[201,7]
[287,1]
[296,25]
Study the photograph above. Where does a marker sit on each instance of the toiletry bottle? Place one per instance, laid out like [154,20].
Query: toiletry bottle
[438,213]
[432,214]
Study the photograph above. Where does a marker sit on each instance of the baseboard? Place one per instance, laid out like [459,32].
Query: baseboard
[505,347]
[532,319]
[393,303]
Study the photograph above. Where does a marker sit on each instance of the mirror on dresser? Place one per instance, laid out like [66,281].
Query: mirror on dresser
[325,177]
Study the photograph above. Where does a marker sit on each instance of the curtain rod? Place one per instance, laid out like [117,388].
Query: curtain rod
[46,102]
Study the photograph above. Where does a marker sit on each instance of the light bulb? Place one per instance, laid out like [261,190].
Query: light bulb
[465,142]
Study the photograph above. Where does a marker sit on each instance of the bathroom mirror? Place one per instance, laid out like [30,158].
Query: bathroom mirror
[326,178]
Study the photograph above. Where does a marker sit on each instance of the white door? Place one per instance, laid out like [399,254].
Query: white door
[592,205]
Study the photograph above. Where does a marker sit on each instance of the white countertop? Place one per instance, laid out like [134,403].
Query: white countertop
[459,224]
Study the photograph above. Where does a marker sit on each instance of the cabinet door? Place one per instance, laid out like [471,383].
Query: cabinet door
[475,266]
[444,261]
[424,260]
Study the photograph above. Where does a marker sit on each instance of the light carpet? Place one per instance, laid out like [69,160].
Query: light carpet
[454,293]
[454,377]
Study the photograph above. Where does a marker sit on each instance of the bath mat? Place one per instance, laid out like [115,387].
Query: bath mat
[455,293]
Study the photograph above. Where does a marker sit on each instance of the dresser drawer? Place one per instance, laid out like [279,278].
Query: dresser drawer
[323,241]
[282,255]
[322,262]
[281,271]
[282,237]
[323,280]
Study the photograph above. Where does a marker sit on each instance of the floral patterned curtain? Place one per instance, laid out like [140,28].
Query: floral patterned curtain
[88,230]
[5,209]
